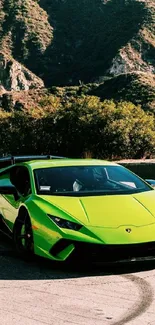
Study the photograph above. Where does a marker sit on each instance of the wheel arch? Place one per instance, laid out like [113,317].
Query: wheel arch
[22,210]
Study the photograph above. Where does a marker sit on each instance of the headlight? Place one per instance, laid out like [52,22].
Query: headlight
[62,223]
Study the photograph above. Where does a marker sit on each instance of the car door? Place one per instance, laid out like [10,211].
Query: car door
[9,205]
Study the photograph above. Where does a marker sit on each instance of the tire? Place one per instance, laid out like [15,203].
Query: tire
[23,236]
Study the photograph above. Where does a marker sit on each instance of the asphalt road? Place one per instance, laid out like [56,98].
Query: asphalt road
[41,292]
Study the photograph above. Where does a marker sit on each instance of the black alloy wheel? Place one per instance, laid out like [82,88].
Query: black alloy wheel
[23,236]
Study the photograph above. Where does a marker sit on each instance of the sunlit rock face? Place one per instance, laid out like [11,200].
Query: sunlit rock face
[15,77]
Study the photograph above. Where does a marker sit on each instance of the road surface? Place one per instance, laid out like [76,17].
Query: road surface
[40,292]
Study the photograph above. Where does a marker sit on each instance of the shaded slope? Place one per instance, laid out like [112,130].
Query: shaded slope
[87,36]
[138,88]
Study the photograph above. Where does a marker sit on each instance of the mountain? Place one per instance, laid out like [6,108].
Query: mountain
[70,42]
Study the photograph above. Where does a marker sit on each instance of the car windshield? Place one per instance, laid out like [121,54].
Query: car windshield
[87,181]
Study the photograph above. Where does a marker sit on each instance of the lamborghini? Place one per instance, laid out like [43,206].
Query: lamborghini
[61,208]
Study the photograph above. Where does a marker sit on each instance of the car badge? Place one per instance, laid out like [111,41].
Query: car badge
[128,230]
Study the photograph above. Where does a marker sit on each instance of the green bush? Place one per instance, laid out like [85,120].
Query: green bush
[80,127]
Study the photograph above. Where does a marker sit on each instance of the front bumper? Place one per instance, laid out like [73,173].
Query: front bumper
[83,251]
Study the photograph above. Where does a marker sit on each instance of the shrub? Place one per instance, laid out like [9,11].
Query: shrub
[80,126]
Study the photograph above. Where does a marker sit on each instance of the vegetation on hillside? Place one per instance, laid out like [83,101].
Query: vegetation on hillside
[25,32]
[139,88]
[87,36]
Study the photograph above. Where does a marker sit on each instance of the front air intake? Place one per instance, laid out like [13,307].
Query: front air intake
[60,246]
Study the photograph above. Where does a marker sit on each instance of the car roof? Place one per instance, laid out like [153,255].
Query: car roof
[36,164]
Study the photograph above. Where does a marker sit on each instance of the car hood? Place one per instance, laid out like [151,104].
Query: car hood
[109,210]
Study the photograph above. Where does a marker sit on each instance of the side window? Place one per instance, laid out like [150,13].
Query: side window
[19,177]
[5,179]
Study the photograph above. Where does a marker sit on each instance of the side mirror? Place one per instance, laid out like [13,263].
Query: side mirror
[151,182]
[9,190]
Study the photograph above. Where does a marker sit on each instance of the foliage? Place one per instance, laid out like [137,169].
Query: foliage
[82,126]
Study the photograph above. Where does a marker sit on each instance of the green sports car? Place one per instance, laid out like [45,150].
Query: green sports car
[62,208]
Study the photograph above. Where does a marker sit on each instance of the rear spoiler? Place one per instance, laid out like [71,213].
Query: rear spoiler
[11,160]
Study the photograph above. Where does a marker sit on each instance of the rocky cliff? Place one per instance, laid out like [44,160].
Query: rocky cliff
[15,77]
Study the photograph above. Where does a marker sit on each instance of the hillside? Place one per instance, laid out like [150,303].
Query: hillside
[70,42]
[95,38]
[137,87]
